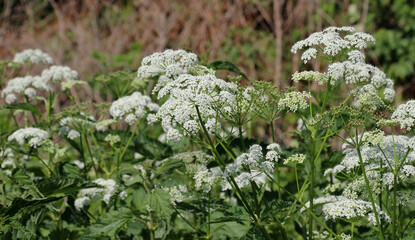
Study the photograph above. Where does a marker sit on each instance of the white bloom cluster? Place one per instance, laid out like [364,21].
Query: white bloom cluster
[405,114]
[8,159]
[321,78]
[252,166]
[354,70]
[379,154]
[79,164]
[351,209]
[35,56]
[27,86]
[331,42]
[59,73]
[177,193]
[207,92]
[293,101]
[132,108]
[72,125]
[112,139]
[107,189]
[295,159]
[205,178]
[170,63]
[35,136]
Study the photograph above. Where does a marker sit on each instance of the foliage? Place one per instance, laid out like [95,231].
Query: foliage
[176,156]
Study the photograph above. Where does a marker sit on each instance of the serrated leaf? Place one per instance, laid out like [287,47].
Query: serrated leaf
[109,224]
[56,185]
[168,165]
[159,202]
[228,219]
[27,107]
[225,65]
[20,205]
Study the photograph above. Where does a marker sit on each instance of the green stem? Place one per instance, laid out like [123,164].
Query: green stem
[90,155]
[311,195]
[3,190]
[369,190]
[231,180]
[394,207]
[208,219]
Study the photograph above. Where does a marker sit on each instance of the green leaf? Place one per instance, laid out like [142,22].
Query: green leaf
[27,107]
[168,165]
[109,224]
[20,205]
[56,185]
[133,179]
[159,201]
[151,148]
[225,65]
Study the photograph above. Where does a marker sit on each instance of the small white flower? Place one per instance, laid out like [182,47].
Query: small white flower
[79,164]
[81,202]
[73,134]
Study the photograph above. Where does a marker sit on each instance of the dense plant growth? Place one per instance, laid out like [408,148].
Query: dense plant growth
[176,155]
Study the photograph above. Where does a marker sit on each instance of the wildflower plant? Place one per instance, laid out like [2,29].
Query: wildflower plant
[178,153]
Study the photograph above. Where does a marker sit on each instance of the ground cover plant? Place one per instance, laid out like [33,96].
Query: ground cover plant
[176,155]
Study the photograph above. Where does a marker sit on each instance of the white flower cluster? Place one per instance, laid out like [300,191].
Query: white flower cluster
[35,56]
[177,193]
[252,166]
[405,114]
[321,78]
[8,160]
[295,159]
[35,136]
[170,63]
[351,209]
[356,71]
[378,156]
[59,73]
[72,125]
[132,108]
[331,42]
[107,189]
[377,87]
[293,101]
[207,92]
[205,178]
[27,86]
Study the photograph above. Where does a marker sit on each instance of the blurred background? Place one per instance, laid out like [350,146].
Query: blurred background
[94,36]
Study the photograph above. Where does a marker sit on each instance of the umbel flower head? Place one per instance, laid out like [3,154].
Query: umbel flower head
[340,207]
[170,63]
[331,42]
[342,45]
[33,56]
[27,86]
[378,154]
[405,114]
[187,93]
[133,107]
[34,136]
